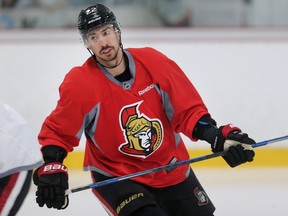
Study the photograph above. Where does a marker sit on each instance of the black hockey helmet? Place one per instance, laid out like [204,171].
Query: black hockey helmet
[95,16]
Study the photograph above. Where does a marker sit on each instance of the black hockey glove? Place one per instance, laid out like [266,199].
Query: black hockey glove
[236,144]
[52,181]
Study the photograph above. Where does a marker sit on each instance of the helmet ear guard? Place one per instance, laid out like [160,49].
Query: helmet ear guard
[83,41]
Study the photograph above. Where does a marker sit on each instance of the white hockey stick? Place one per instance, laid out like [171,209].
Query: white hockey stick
[157,169]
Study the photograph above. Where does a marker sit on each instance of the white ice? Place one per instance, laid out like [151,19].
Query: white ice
[238,192]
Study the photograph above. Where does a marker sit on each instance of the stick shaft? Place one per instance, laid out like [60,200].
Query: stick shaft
[157,169]
[266,142]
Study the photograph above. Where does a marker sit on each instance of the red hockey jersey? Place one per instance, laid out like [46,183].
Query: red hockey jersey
[129,126]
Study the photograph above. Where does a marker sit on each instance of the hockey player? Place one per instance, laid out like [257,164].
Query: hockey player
[131,104]
[20,154]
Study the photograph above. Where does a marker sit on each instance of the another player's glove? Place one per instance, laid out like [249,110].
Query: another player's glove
[236,144]
[51,180]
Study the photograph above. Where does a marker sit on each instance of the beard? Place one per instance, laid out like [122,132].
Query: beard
[108,60]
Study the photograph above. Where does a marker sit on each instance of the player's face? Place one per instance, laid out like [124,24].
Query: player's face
[105,44]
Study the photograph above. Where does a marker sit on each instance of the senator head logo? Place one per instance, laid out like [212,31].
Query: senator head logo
[143,135]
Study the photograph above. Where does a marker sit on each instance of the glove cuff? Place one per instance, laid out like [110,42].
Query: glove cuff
[227,129]
[205,128]
[52,153]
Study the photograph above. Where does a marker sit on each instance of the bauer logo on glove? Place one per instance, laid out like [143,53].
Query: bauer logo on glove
[54,167]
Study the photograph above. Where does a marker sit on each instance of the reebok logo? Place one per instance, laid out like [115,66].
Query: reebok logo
[148,88]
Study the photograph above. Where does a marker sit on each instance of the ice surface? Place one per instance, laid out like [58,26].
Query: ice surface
[239,191]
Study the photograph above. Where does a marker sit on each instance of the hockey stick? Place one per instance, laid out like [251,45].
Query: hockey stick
[157,169]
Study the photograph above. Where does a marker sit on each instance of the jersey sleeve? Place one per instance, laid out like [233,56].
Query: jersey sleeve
[64,126]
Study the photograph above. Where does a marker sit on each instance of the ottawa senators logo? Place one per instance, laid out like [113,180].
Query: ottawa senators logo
[143,135]
[201,196]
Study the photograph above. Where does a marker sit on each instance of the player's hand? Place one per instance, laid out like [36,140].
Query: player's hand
[51,180]
[236,144]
